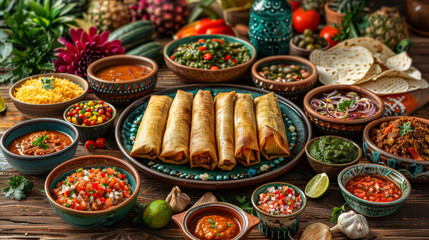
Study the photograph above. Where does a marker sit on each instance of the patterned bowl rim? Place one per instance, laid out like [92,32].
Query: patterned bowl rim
[91,73]
[291,43]
[360,152]
[69,77]
[131,170]
[341,87]
[75,140]
[377,122]
[266,185]
[349,194]
[206,36]
[98,125]
[286,58]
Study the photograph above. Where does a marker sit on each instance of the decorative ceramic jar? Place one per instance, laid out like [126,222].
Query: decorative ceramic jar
[270,27]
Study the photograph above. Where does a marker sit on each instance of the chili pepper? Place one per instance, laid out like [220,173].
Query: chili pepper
[225,29]
[415,154]
[203,48]
[234,61]
[389,128]
[201,40]
[207,56]
[214,68]
[206,23]
[172,57]
[227,57]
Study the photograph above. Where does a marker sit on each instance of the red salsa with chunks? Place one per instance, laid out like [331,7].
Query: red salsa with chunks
[374,188]
[93,189]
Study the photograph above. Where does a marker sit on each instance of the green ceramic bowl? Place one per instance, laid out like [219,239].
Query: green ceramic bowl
[39,164]
[93,132]
[92,219]
[278,226]
[203,75]
[368,208]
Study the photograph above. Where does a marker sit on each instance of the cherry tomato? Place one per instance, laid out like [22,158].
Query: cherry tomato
[101,111]
[100,142]
[108,115]
[202,48]
[294,4]
[207,56]
[87,122]
[69,114]
[90,145]
[82,116]
[328,33]
[109,110]
[75,112]
[302,19]
[227,57]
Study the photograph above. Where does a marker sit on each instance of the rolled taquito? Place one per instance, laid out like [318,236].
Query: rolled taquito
[245,135]
[224,109]
[149,136]
[175,143]
[271,128]
[202,145]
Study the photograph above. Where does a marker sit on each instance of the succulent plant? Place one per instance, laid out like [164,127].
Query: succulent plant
[86,48]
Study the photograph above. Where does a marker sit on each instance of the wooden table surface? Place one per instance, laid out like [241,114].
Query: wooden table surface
[33,217]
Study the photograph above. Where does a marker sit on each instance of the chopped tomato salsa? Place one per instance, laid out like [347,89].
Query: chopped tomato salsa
[280,201]
[93,189]
[374,188]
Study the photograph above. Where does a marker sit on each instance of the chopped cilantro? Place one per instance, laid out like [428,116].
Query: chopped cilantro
[406,127]
[67,205]
[39,141]
[213,224]
[217,234]
[346,104]
[228,224]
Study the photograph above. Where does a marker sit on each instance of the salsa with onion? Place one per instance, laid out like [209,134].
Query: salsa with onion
[281,200]
[93,189]
[347,105]
[374,188]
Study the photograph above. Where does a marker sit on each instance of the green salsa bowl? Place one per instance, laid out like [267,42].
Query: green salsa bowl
[331,169]
[191,74]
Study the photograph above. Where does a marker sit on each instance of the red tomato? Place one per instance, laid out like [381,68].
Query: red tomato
[328,33]
[294,4]
[90,145]
[100,142]
[302,19]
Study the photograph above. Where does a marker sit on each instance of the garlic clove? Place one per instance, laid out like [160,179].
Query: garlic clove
[353,225]
[316,231]
[177,199]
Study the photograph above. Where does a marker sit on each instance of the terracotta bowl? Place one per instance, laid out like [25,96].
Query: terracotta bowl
[190,74]
[123,92]
[415,171]
[302,52]
[187,220]
[332,17]
[291,90]
[54,110]
[342,127]
[93,132]
[92,219]
[332,170]
[278,226]
[369,208]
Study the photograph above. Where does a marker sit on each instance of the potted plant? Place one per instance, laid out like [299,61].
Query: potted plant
[335,10]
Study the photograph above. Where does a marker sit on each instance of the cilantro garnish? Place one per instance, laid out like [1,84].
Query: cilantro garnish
[18,188]
[47,83]
[406,127]
[39,141]
[346,104]
[242,203]
[336,212]
[213,224]
[228,224]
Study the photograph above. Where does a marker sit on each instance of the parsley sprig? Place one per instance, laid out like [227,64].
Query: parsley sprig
[47,83]
[336,212]
[406,127]
[39,141]
[18,188]
[241,202]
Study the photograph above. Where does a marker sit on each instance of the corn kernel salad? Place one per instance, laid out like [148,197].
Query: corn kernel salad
[93,189]
[282,200]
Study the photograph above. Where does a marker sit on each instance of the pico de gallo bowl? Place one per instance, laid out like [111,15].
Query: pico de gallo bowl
[82,197]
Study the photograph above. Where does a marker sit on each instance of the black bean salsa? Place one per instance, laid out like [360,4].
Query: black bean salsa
[211,54]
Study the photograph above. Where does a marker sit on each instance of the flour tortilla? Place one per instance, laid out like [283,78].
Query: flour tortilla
[417,84]
[414,73]
[401,62]
[377,48]
[371,74]
[386,85]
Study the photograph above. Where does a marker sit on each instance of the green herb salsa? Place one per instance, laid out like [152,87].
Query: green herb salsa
[211,54]
[333,150]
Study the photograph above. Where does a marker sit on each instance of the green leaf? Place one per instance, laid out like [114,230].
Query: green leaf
[39,141]
[210,12]
[241,199]
[406,127]
[38,9]
[346,104]
[198,10]
[18,188]
[336,212]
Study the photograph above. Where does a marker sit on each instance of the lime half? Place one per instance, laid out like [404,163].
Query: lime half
[2,104]
[317,186]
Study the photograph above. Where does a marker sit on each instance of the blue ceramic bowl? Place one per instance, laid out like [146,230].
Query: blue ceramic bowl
[39,164]
[92,219]
[278,226]
[204,75]
[368,208]
[93,132]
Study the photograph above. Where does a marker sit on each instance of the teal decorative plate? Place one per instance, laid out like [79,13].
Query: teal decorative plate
[298,130]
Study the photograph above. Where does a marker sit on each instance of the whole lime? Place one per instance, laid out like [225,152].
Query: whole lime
[157,214]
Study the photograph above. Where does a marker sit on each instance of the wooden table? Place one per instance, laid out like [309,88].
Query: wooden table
[34,218]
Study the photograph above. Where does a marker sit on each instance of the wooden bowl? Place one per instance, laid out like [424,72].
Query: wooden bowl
[191,74]
[415,171]
[187,219]
[122,92]
[289,90]
[302,52]
[332,170]
[54,110]
[342,127]
[92,219]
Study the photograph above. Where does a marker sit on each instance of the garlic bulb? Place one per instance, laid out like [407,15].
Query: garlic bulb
[353,225]
[316,231]
[178,200]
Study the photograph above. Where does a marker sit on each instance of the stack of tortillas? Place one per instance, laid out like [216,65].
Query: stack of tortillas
[368,63]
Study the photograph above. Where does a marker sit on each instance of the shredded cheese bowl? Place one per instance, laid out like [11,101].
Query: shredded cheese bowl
[47,95]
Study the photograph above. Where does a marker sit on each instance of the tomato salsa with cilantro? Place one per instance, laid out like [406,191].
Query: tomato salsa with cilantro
[212,54]
[282,200]
[374,188]
[216,227]
[93,189]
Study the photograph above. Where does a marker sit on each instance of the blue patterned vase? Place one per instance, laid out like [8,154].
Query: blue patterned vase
[270,27]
